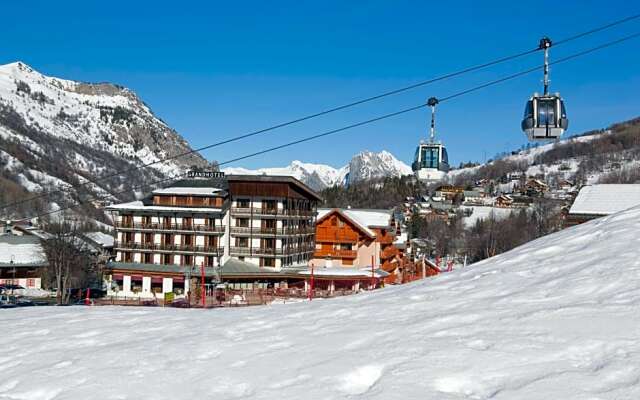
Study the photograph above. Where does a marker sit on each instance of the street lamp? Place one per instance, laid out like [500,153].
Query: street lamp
[13,269]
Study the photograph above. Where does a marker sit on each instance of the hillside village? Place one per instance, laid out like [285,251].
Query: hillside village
[231,251]
[303,231]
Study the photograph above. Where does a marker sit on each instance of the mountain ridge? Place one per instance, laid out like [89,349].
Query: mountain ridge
[56,134]
[362,166]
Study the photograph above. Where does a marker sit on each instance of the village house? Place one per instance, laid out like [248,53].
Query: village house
[22,259]
[595,201]
[535,187]
[504,201]
[360,239]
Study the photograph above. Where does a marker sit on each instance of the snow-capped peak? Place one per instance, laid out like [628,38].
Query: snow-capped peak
[364,165]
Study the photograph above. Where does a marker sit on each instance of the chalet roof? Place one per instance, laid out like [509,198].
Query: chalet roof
[24,251]
[605,199]
[365,219]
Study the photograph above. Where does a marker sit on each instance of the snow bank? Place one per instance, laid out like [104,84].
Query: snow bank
[558,318]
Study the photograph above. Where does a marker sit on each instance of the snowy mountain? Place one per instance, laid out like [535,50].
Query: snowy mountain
[55,133]
[364,165]
[557,318]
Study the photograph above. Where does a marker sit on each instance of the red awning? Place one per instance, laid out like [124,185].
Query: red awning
[156,279]
[136,277]
[178,279]
[116,277]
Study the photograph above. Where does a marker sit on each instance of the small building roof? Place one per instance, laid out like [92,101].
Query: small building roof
[100,238]
[21,251]
[605,199]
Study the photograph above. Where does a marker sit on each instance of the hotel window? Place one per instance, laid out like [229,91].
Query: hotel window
[242,242]
[267,262]
[187,222]
[187,240]
[127,256]
[268,243]
[128,237]
[187,260]
[243,203]
[242,222]
[148,258]
[167,259]
[166,222]
[167,239]
[269,205]
[209,261]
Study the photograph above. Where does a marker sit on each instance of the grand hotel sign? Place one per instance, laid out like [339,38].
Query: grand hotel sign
[205,174]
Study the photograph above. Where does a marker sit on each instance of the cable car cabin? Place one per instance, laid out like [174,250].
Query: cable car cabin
[545,117]
[431,162]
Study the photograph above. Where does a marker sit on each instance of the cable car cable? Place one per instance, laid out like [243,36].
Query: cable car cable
[369,121]
[332,110]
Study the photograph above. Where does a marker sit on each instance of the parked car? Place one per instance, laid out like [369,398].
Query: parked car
[22,302]
[7,301]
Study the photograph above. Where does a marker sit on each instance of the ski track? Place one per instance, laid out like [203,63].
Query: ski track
[558,318]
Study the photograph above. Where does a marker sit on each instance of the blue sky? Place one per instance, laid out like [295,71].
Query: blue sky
[213,70]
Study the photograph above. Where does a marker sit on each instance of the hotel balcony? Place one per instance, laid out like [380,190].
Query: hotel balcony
[261,231]
[271,212]
[168,248]
[155,227]
[269,251]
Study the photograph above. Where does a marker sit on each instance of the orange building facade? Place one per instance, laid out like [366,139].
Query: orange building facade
[353,238]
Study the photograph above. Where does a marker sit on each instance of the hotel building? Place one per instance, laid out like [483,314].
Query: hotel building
[237,229]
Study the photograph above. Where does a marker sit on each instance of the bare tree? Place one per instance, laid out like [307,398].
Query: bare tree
[69,259]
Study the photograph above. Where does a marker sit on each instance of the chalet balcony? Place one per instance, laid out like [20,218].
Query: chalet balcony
[263,231]
[218,229]
[336,236]
[335,253]
[389,252]
[163,248]
[386,239]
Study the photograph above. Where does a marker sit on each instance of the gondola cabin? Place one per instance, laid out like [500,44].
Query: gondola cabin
[545,117]
[431,162]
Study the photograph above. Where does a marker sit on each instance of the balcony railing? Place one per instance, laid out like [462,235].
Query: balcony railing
[240,230]
[258,211]
[335,253]
[171,227]
[168,247]
[258,251]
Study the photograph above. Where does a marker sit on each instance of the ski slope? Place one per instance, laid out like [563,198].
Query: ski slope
[557,318]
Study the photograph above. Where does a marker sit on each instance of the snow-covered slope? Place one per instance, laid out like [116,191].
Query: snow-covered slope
[364,165]
[55,133]
[558,318]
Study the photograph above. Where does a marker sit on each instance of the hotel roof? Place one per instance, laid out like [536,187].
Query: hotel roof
[138,205]
[196,191]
